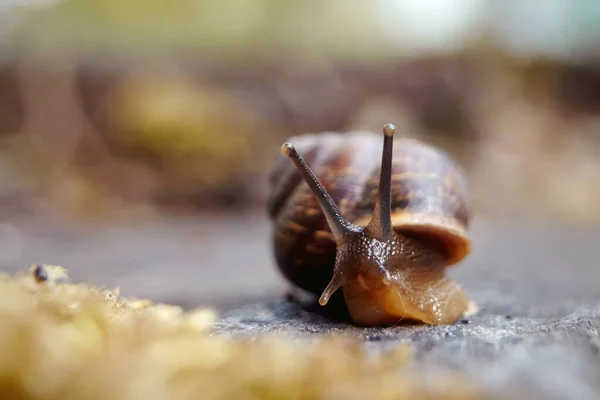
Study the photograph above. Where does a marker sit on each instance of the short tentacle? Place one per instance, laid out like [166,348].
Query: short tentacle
[336,282]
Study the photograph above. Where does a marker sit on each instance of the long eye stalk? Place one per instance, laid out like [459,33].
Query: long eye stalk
[381,224]
[337,223]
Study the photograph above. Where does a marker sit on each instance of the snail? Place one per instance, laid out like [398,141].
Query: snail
[383,234]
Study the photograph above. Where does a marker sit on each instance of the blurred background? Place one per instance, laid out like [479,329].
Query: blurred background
[136,136]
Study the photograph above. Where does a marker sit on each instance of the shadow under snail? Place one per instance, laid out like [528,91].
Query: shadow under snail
[383,234]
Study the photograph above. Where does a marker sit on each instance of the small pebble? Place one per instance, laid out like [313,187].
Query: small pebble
[40,273]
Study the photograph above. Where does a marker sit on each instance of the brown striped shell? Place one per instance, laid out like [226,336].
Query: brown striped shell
[429,200]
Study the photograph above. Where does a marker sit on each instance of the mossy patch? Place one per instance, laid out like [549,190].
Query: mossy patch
[63,340]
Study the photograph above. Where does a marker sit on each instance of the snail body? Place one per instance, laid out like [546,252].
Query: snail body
[382,233]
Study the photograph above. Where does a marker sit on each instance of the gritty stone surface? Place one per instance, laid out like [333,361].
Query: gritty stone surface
[508,354]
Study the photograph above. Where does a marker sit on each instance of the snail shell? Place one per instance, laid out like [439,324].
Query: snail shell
[381,227]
